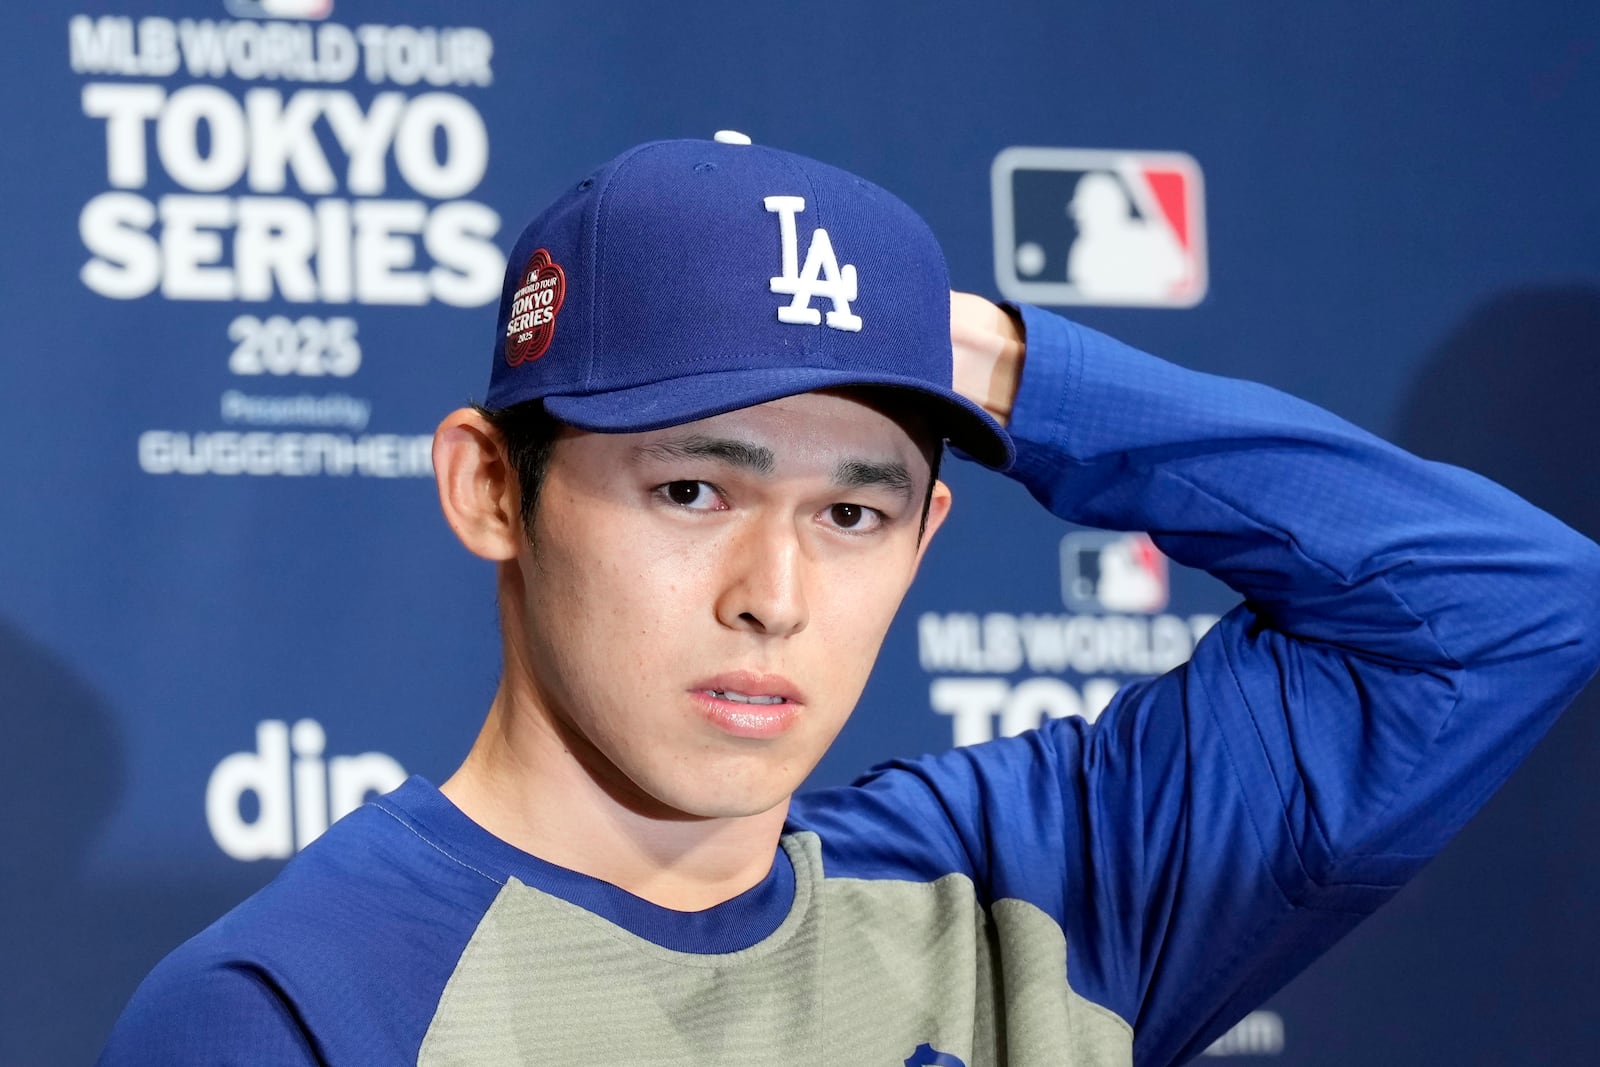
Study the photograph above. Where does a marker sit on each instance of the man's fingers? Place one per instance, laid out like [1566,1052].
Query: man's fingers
[989,351]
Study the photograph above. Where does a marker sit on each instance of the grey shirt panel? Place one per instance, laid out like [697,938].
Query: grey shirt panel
[861,971]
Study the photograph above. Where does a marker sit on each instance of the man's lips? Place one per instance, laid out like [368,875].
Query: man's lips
[751,687]
[749,704]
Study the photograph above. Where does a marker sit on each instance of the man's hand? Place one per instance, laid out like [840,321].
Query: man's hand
[988,353]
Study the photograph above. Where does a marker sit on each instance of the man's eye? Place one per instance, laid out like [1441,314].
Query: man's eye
[698,496]
[853,516]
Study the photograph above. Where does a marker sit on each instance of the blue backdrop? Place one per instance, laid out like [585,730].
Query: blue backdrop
[254,249]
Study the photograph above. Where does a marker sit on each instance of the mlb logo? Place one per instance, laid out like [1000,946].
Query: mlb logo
[280,9]
[1085,226]
[1113,572]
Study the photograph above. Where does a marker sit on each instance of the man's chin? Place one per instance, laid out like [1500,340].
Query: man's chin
[704,802]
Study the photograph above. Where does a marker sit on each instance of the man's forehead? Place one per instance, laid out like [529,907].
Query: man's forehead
[814,434]
[833,422]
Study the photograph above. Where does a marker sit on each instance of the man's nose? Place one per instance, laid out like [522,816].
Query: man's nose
[764,586]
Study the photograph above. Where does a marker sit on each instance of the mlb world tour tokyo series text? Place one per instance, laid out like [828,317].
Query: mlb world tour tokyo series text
[705,493]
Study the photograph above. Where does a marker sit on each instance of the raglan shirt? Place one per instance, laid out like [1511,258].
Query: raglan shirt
[1112,893]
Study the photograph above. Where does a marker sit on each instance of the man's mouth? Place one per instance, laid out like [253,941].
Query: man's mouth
[750,704]
[744,698]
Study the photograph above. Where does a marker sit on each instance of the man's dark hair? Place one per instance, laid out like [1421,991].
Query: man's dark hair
[530,433]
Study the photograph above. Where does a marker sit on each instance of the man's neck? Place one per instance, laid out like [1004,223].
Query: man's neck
[521,783]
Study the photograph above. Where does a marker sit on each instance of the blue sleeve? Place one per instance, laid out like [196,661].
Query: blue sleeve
[1408,631]
[341,958]
[219,1016]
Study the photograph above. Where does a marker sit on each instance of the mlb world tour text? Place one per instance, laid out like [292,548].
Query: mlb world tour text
[1077,663]
[201,243]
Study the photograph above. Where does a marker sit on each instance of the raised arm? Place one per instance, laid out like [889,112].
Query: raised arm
[1407,633]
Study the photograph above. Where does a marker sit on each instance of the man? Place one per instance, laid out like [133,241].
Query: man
[707,473]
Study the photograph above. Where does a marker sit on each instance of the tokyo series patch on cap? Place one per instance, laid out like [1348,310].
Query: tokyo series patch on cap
[534,305]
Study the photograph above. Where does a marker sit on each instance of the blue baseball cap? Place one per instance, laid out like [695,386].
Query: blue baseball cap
[684,279]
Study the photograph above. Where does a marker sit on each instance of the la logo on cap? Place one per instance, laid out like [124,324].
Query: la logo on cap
[821,276]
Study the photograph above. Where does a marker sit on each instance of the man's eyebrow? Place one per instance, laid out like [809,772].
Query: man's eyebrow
[849,474]
[736,453]
[861,473]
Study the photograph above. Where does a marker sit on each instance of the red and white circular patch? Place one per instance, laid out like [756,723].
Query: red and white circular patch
[533,309]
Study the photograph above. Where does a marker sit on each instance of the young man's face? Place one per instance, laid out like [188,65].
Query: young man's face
[702,604]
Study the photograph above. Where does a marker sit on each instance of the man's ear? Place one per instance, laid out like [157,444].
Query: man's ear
[478,490]
[939,502]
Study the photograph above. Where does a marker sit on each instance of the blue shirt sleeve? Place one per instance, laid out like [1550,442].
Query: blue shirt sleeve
[342,958]
[1407,633]
[227,1015]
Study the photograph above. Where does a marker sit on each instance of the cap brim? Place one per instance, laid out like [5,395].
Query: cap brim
[657,405]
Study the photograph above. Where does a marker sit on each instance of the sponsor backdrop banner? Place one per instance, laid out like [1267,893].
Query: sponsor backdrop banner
[254,248]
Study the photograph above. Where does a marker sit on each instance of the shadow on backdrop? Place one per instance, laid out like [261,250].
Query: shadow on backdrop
[74,944]
[61,773]
[1493,955]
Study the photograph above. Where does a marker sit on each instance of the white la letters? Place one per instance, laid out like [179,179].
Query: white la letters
[821,276]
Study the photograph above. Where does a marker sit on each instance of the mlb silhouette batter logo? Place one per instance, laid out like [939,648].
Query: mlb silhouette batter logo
[1085,226]
[1103,571]
[280,9]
